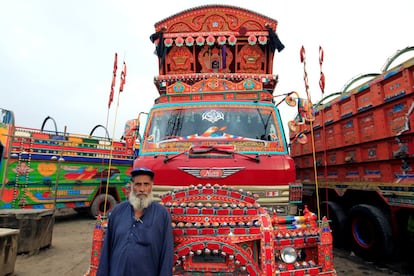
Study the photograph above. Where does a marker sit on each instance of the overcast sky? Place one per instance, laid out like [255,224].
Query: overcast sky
[56,57]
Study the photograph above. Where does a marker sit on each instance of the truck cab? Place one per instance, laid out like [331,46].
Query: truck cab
[215,120]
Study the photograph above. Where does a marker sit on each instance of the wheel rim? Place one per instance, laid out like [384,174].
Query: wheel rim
[363,232]
[101,206]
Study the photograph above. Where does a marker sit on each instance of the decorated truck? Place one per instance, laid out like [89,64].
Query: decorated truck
[364,148]
[43,169]
[215,140]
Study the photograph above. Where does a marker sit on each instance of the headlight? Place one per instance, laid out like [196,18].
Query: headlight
[289,255]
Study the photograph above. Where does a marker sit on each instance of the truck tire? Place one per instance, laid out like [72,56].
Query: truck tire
[337,221]
[98,205]
[371,233]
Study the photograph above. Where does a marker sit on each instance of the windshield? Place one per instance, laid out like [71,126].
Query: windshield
[249,127]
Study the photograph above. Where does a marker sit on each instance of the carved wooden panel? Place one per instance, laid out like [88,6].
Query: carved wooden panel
[215,18]
[251,59]
[180,60]
[215,59]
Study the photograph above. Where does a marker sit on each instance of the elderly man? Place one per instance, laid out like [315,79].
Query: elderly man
[138,240]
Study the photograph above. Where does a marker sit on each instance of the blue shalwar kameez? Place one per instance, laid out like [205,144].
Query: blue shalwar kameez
[137,247]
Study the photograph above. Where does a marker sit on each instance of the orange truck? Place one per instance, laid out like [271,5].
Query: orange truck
[364,147]
[215,139]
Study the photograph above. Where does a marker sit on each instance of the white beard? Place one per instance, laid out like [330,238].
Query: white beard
[140,203]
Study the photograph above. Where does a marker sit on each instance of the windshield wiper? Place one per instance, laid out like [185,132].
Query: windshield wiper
[206,149]
[167,158]
[222,149]
[256,158]
[193,149]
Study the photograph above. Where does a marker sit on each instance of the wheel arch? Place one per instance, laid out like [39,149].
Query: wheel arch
[111,191]
[354,197]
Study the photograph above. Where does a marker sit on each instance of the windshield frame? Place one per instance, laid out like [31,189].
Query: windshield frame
[250,145]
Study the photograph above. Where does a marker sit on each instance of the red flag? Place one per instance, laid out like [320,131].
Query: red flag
[302,54]
[305,74]
[322,82]
[321,55]
[123,76]
[111,94]
[322,77]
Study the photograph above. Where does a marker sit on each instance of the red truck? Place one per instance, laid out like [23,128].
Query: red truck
[364,148]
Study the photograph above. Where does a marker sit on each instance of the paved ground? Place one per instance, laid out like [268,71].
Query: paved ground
[69,254]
